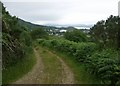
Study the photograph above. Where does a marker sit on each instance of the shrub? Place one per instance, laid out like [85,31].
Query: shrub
[84,50]
[104,67]
[80,50]
[103,64]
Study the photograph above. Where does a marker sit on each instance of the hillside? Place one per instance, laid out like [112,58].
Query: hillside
[29,24]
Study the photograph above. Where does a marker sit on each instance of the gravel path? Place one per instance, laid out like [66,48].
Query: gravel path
[68,77]
[36,75]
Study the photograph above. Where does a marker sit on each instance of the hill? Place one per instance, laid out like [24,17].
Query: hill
[29,24]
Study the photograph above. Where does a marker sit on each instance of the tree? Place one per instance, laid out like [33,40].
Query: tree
[15,40]
[25,38]
[118,36]
[39,33]
[75,35]
[106,32]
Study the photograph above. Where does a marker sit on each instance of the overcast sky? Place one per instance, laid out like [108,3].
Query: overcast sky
[62,12]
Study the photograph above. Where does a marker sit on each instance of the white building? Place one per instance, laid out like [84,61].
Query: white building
[119,8]
[63,31]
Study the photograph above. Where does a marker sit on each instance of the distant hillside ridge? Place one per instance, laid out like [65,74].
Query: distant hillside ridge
[29,24]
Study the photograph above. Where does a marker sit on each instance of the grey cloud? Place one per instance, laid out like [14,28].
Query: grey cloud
[46,17]
[57,11]
[46,11]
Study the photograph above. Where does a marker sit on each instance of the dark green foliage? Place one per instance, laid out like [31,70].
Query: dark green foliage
[29,25]
[85,50]
[81,51]
[15,40]
[103,64]
[18,70]
[106,64]
[25,38]
[75,35]
[106,33]
[39,33]
[105,67]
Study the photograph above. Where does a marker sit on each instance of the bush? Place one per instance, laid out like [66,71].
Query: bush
[84,50]
[105,67]
[39,33]
[79,50]
[75,35]
[103,64]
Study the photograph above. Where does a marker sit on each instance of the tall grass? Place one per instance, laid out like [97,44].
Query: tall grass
[52,73]
[80,74]
[16,71]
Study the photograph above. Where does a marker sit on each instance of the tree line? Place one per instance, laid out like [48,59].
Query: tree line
[16,39]
[107,32]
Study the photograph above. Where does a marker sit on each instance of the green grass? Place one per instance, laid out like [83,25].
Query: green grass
[15,72]
[52,67]
[80,74]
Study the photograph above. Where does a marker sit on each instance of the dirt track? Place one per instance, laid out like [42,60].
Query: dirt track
[36,75]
